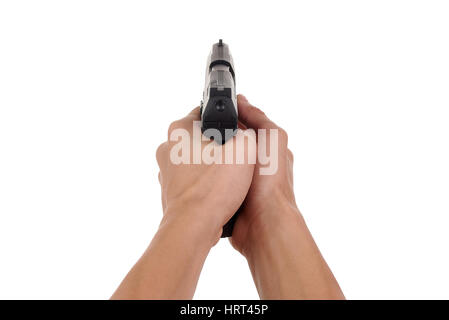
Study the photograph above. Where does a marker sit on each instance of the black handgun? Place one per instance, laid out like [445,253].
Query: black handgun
[218,110]
[219,105]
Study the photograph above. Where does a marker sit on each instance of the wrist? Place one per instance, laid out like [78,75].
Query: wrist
[275,221]
[194,223]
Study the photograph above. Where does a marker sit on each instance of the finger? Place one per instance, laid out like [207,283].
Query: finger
[160,154]
[194,114]
[186,122]
[290,155]
[191,116]
[240,125]
[253,117]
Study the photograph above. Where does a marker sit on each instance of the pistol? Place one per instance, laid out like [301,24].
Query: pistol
[218,110]
[219,113]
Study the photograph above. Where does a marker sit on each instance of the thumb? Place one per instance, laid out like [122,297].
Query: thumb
[253,117]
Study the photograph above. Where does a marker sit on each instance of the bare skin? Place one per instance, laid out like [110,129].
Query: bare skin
[195,209]
[270,231]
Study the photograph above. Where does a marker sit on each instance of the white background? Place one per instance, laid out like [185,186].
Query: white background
[88,89]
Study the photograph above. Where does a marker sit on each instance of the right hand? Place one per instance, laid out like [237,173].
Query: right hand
[270,202]
[203,195]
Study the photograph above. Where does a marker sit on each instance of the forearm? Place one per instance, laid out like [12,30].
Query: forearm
[171,265]
[285,261]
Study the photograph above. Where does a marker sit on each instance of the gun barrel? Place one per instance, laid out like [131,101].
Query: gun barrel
[219,112]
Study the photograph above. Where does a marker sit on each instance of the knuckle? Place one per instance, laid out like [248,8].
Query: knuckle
[290,155]
[257,110]
[174,125]
[267,124]
[160,151]
[283,134]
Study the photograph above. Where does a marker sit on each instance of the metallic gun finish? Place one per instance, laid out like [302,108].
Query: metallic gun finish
[219,106]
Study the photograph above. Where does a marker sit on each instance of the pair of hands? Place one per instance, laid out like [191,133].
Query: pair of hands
[198,199]
[208,195]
